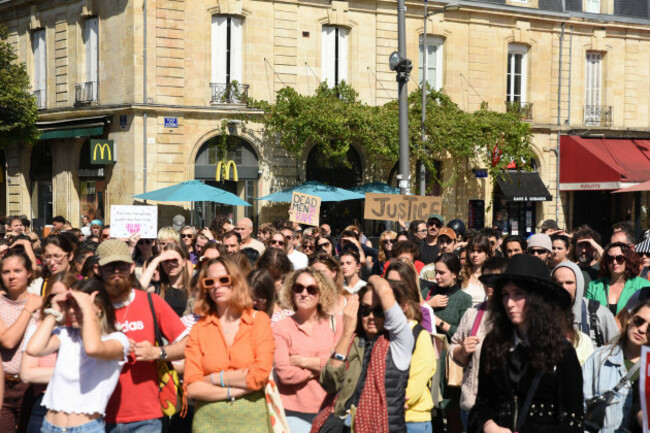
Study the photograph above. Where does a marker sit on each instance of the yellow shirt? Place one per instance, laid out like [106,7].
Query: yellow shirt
[423,366]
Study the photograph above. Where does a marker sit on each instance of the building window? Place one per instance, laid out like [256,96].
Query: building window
[595,113]
[40,68]
[226,49]
[517,73]
[88,88]
[592,6]
[334,55]
[434,61]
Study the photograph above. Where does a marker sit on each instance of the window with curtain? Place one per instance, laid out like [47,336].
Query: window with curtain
[593,78]
[91,48]
[434,61]
[517,73]
[226,49]
[40,67]
[334,55]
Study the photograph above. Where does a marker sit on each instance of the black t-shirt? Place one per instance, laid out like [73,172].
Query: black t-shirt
[177,299]
[428,253]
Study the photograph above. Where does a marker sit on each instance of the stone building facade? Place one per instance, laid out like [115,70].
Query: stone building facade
[165,80]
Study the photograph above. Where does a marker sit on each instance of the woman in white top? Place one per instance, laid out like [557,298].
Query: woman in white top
[350,267]
[91,354]
[478,251]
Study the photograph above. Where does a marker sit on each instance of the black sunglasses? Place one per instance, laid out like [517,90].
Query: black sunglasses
[536,251]
[365,311]
[620,259]
[638,321]
[434,223]
[646,255]
[299,288]
[187,235]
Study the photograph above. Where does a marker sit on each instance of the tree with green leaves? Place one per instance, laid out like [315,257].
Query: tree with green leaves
[18,111]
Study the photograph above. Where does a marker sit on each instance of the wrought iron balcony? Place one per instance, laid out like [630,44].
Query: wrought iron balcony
[598,115]
[41,102]
[525,109]
[229,93]
[85,93]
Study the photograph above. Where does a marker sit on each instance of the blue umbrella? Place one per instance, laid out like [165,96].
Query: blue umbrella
[325,192]
[193,190]
[377,187]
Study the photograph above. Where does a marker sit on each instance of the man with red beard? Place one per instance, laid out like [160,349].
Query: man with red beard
[134,406]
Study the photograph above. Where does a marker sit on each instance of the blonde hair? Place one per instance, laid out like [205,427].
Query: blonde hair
[382,240]
[327,291]
[168,233]
[239,301]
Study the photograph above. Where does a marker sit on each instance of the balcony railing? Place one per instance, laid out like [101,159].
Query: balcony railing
[41,102]
[229,93]
[598,115]
[525,109]
[85,93]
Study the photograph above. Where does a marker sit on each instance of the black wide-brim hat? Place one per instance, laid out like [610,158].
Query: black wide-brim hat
[532,275]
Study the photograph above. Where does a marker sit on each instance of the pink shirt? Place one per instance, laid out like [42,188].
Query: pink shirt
[298,390]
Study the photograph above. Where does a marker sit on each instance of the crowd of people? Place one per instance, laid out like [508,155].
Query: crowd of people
[296,329]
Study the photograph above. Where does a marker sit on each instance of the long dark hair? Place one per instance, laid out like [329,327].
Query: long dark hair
[546,332]
[262,286]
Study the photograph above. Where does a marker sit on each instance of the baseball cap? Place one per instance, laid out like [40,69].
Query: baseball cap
[436,216]
[446,231]
[113,250]
[96,223]
[540,240]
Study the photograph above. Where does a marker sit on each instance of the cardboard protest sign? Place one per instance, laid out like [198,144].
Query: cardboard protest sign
[129,220]
[304,209]
[386,207]
[644,376]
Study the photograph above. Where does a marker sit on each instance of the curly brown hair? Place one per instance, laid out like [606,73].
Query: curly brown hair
[327,291]
[632,261]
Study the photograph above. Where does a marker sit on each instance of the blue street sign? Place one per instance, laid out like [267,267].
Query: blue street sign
[481,173]
[171,122]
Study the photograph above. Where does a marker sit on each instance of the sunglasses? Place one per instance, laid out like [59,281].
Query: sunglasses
[646,255]
[308,247]
[537,251]
[120,266]
[276,242]
[620,259]
[389,241]
[638,321]
[299,288]
[365,311]
[187,236]
[209,283]
[434,224]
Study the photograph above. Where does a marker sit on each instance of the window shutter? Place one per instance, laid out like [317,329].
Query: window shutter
[343,54]
[219,49]
[236,33]
[91,39]
[328,61]
[40,65]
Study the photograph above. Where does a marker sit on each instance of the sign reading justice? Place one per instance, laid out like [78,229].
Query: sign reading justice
[304,209]
[386,207]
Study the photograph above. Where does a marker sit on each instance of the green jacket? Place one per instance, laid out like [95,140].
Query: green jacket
[597,290]
[332,379]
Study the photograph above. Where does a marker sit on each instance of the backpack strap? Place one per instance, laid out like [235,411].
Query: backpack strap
[157,334]
[417,329]
[478,319]
[592,306]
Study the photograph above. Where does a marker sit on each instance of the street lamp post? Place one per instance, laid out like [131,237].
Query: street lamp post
[403,68]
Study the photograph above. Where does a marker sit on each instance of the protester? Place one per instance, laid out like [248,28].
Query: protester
[167,235]
[188,237]
[331,268]
[478,252]
[642,249]
[298,259]
[304,343]
[245,229]
[561,249]
[229,354]
[527,358]
[263,292]
[589,316]
[513,245]
[619,268]
[58,253]
[308,246]
[371,373]
[587,252]
[540,246]
[429,248]
[91,353]
[174,277]
[609,364]
[142,252]
[350,268]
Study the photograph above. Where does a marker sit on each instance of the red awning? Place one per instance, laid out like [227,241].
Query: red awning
[602,164]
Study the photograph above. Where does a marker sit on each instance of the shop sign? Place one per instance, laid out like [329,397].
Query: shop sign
[304,209]
[171,122]
[480,173]
[225,167]
[102,152]
[589,186]
[389,207]
[527,198]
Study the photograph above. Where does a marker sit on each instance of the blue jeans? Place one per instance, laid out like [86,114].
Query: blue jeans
[96,426]
[146,426]
[464,418]
[37,416]
[418,427]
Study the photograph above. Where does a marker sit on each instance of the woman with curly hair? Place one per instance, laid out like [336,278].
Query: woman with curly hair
[304,343]
[619,270]
[386,242]
[220,225]
[529,375]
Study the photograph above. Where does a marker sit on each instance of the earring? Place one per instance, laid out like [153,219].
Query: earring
[100,314]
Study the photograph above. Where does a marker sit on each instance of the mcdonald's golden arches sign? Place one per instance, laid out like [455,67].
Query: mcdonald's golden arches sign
[102,152]
[225,167]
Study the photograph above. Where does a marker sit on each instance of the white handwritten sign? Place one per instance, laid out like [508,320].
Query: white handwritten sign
[645,388]
[129,220]
[304,209]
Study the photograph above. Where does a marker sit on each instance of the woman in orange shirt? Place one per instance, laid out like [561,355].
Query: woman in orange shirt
[229,354]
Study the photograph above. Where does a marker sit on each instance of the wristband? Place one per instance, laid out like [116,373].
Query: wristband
[58,316]
[221,379]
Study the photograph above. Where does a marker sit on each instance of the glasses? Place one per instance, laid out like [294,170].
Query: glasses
[288,238]
[537,251]
[54,258]
[120,266]
[638,321]
[308,247]
[276,242]
[224,280]
[299,288]
[434,224]
[389,241]
[187,236]
[365,311]
[620,259]
[646,255]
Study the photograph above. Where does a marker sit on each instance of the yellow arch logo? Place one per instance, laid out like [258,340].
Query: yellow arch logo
[226,169]
[102,147]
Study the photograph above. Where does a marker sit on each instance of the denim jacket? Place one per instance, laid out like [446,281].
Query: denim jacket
[601,373]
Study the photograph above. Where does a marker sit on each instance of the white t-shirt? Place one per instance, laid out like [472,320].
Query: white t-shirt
[81,384]
[477,293]
[360,284]
[299,260]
